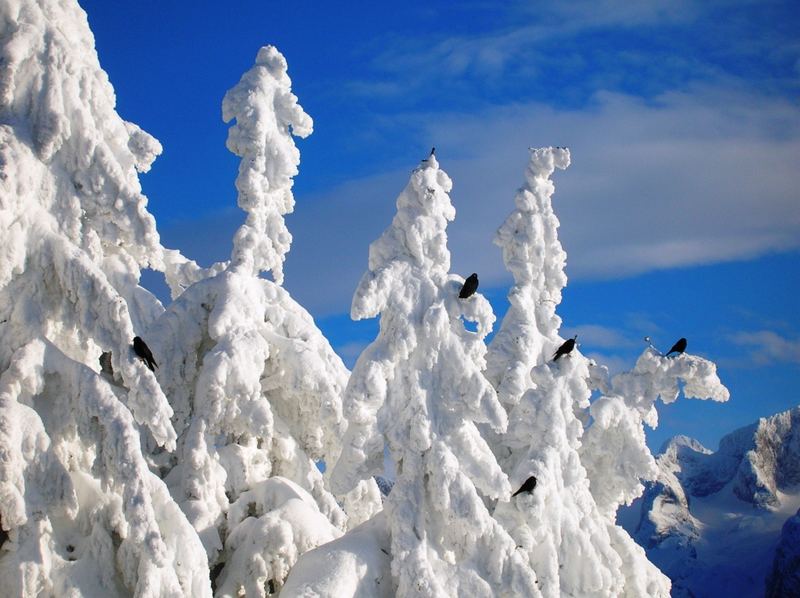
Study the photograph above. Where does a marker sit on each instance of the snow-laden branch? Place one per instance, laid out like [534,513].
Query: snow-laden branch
[614,450]
[76,486]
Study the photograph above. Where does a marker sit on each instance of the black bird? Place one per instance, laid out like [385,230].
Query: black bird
[142,350]
[568,346]
[678,347]
[470,286]
[528,486]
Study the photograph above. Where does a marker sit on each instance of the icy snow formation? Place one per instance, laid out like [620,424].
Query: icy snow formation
[572,547]
[82,512]
[418,387]
[255,386]
[357,565]
[711,520]
[267,115]
[614,451]
[534,256]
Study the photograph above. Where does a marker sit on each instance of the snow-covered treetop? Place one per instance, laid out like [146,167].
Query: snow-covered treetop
[409,286]
[267,116]
[419,389]
[534,256]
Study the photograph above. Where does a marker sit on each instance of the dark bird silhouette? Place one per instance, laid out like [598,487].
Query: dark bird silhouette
[470,286]
[528,486]
[142,350]
[678,347]
[564,349]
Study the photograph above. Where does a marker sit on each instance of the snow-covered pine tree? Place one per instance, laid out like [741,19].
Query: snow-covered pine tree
[255,386]
[572,548]
[80,511]
[419,389]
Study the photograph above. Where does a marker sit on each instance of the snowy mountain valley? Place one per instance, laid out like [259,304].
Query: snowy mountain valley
[712,520]
[229,451]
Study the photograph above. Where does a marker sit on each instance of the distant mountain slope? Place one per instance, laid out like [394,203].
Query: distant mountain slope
[712,520]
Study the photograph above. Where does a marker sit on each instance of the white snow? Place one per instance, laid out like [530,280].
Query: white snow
[573,548]
[418,388]
[204,476]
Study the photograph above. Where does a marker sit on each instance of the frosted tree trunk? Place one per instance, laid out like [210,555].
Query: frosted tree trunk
[80,510]
[572,548]
[418,388]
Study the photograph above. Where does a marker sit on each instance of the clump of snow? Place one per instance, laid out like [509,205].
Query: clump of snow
[614,449]
[268,527]
[418,388]
[357,565]
[267,115]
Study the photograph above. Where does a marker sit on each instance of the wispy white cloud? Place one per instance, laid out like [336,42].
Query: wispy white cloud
[767,346]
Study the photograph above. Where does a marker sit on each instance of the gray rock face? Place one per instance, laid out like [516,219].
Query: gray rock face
[784,580]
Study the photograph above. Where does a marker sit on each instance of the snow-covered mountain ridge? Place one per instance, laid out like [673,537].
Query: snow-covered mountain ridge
[712,520]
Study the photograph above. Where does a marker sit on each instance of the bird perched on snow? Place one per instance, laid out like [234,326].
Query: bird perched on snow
[678,347]
[143,351]
[564,349]
[470,286]
[528,486]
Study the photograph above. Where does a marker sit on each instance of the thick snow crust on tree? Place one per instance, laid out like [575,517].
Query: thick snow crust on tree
[572,547]
[534,256]
[419,389]
[255,386]
[357,565]
[81,511]
[614,450]
[267,115]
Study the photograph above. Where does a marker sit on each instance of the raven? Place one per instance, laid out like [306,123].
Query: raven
[142,350]
[568,346]
[470,286]
[678,347]
[528,486]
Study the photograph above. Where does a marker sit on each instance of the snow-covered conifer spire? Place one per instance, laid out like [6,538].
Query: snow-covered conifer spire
[267,116]
[418,388]
[534,256]
[572,548]
[255,386]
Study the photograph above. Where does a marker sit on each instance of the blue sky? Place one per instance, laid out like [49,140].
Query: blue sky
[680,213]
